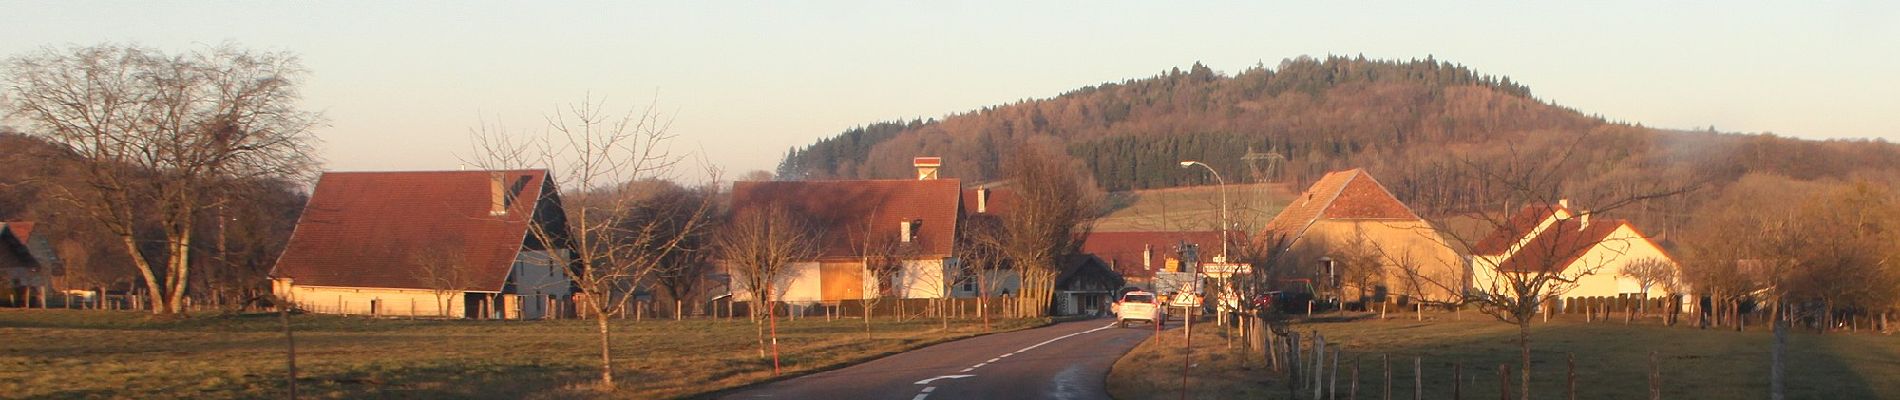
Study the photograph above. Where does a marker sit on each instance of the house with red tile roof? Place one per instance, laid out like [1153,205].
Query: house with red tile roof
[1362,244]
[1085,283]
[1137,256]
[913,221]
[1586,255]
[28,265]
[436,243]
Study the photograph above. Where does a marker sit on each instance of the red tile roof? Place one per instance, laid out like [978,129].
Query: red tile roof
[1557,247]
[1520,225]
[378,229]
[21,229]
[1342,195]
[844,210]
[1001,201]
[1124,250]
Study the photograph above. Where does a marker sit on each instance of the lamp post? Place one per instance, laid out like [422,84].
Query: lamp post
[1223,204]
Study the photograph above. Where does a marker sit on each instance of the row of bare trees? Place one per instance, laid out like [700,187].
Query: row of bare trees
[1810,251]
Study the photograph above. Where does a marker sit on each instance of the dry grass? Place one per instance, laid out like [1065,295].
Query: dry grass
[93,354]
[1612,361]
[1195,208]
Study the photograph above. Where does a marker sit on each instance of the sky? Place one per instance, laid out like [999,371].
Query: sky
[402,84]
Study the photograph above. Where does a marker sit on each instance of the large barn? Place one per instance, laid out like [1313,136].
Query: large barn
[457,244]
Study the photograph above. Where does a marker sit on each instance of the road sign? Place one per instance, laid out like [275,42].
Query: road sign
[1222,270]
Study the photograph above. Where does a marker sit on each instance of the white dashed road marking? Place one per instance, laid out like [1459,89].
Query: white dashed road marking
[928,389]
[927,381]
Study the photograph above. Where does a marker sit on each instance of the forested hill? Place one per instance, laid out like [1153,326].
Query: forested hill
[1307,116]
[1314,112]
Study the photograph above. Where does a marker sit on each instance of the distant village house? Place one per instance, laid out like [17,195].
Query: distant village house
[1571,245]
[1348,222]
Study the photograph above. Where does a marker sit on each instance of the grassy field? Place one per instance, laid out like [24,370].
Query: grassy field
[1611,358]
[103,354]
[1195,208]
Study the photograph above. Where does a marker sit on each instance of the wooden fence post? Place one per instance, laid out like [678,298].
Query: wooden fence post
[1293,364]
[1457,377]
[1418,378]
[1319,363]
[1332,384]
[1655,377]
[1352,391]
[1387,360]
[1504,381]
[1570,377]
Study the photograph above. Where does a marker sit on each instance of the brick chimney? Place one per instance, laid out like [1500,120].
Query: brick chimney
[497,195]
[927,167]
[982,200]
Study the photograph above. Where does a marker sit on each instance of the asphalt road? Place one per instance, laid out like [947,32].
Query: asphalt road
[1063,361]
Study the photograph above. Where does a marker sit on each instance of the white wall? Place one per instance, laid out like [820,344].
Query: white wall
[357,301]
[798,282]
[922,279]
[1622,248]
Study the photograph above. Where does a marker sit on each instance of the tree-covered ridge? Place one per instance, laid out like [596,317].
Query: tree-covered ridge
[1310,110]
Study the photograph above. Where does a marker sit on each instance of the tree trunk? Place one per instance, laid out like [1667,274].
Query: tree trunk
[772,318]
[290,345]
[181,269]
[1776,388]
[1524,348]
[606,353]
[145,270]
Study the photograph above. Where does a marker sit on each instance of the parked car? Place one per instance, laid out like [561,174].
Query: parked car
[1139,306]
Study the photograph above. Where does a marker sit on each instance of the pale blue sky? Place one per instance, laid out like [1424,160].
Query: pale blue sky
[402,83]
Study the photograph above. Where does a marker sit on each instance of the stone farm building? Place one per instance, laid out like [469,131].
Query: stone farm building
[446,243]
[1347,221]
[1566,244]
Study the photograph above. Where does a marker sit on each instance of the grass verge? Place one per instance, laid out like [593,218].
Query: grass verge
[1612,361]
[85,354]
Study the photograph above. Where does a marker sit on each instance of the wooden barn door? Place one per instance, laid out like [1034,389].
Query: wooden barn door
[841,281]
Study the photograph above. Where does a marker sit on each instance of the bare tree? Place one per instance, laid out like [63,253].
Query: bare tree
[682,272]
[883,257]
[595,153]
[442,267]
[1651,273]
[1054,207]
[156,132]
[758,246]
[980,259]
[1518,184]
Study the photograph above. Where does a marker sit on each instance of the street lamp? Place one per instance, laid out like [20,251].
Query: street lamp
[1223,203]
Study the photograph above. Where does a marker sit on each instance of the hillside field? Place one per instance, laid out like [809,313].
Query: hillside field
[1195,208]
